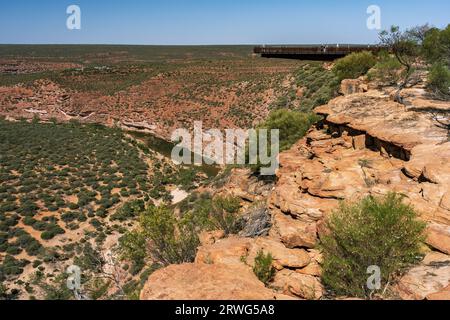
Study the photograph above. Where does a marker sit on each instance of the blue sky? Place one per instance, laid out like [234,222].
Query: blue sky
[210,22]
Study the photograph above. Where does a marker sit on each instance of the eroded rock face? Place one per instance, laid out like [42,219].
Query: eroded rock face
[240,251]
[283,257]
[438,236]
[367,145]
[375,114]
[297,284]
[206,282]
[294,233]
[351,86]
[428,280]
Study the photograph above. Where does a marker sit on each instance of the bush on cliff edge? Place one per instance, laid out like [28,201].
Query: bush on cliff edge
[354,65]
[380,232]
[292,126]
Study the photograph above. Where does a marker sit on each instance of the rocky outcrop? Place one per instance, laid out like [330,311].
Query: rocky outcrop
[293,283]
[430,280]
[438,236]
[351,86]
[206,282]
[367,144]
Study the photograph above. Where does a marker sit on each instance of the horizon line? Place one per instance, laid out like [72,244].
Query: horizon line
[181,45]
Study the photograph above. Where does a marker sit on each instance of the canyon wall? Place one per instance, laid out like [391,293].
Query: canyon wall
[367,144]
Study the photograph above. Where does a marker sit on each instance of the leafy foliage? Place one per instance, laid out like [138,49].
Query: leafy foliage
[381,232]
[388,69]
[436,45]
[320,86]
[354,65]
[404,44]
[439,79]
[54,167]
[293,125]
[263,268]
[224,214]
[165,238]
[129,210]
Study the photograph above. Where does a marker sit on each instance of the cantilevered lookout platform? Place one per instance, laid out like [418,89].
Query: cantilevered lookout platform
[313,52]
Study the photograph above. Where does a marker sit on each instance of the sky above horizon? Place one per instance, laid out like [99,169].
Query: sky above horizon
[201,22]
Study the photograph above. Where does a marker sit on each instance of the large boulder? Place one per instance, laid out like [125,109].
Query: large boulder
[438,236]
[294,233]
[283,257]
[228,251]
[351,86]
[238,251]
[206,282]
[298,285]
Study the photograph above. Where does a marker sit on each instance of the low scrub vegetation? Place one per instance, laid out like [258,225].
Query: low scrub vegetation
[224,215]
[380,232]
[263,268]
[167,238]
[388,70]
[439,80]
[318,86]
[414,46]
[354,65]
[53,175]
[292,126]
[163,237]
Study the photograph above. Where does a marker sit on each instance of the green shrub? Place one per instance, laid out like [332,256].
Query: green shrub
[224,214]
[164,237]
[388,70]
[12,266]
[293,125]
[13,250]
[436,45]
[51,231]
[132,246]
[320,85]
[263,268]
[439,79]
[354,65]
[129,210]
[381,232]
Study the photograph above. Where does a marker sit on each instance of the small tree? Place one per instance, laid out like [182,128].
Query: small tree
[405,46]
[436,45]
